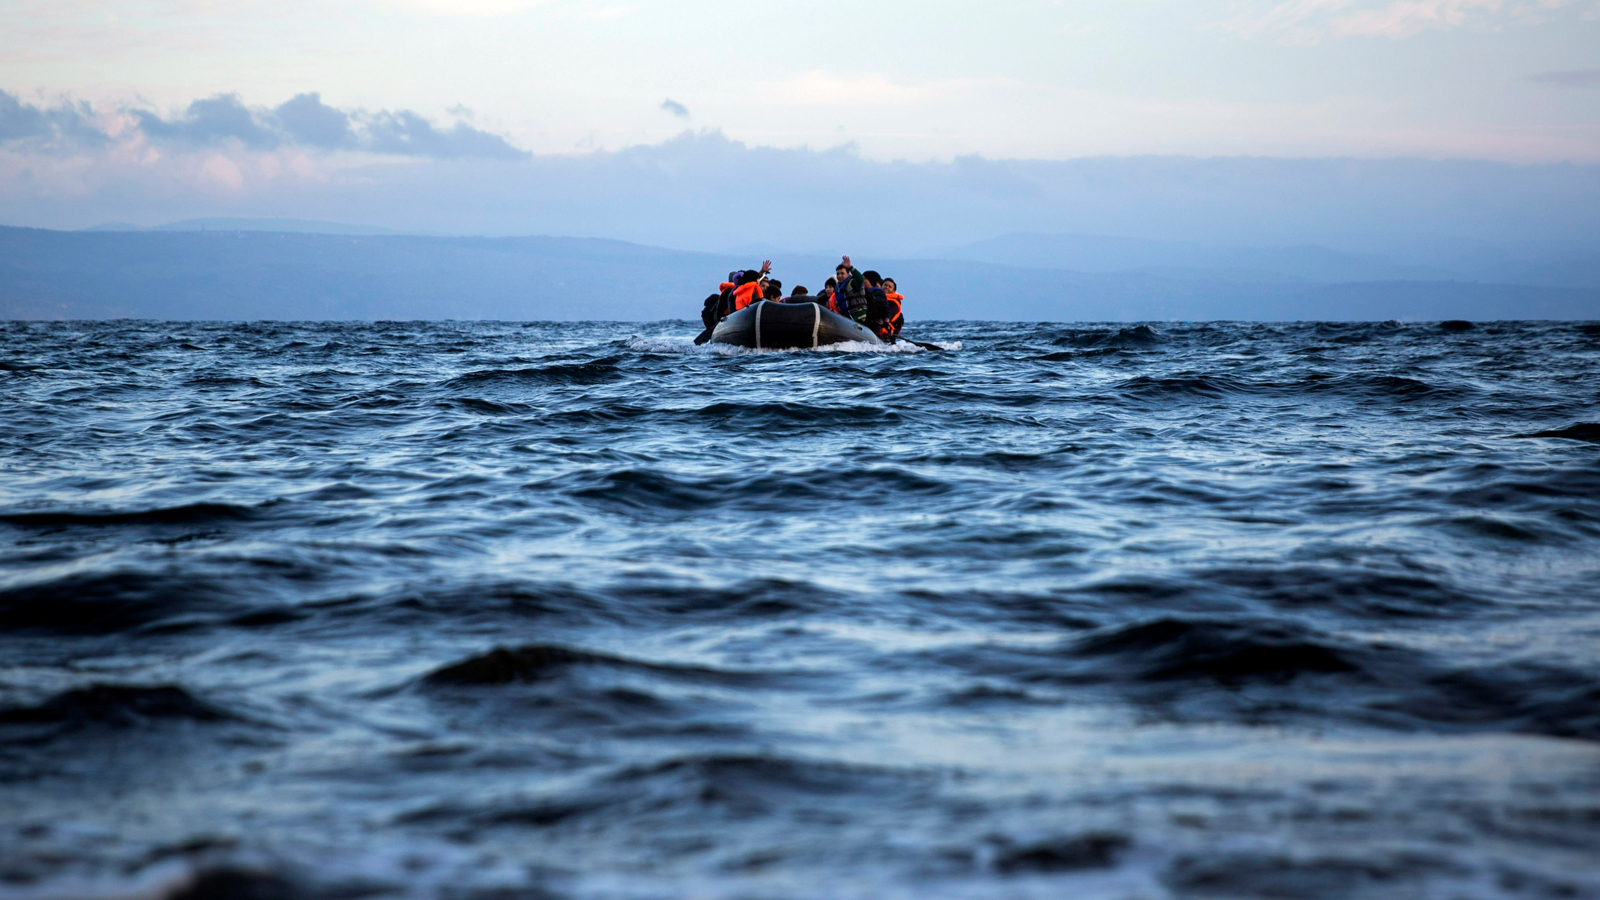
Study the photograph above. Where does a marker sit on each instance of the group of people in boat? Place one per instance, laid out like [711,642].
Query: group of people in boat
[866,298]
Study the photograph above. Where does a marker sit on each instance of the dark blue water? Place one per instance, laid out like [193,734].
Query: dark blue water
[582,611]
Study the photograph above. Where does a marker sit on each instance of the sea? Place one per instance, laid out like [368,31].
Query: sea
[540,611]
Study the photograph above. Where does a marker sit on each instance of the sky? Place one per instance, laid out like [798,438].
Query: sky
[932,79]
[154,109]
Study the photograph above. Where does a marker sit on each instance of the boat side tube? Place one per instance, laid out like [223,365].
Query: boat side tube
[786,326]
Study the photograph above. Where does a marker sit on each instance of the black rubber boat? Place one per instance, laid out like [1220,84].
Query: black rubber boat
[785,326]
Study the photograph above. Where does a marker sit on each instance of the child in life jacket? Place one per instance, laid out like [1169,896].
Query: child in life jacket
[825,296]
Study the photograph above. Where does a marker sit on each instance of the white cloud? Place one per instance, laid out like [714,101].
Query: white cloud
[1309,21]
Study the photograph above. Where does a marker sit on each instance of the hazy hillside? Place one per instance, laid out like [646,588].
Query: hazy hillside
[1101,253]
[264,275]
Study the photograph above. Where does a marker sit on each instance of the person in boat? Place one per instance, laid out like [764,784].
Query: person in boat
[772,289]
[877,306]
[894,319]
[849,292]
[740,290]
[825,296]
[800,295]
[751,287]
[717,305]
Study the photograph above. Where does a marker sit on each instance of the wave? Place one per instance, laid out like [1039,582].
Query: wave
[486,407]
[1402,387]
[765,414]
[652,490]
[232,882]
[1530,698]
[1365,593]
[186,514]
[1010,461]
[108,602]
[1295,673]
[1133,336]
[753,781]
[1075,355]
[1582,431]
[115,705]
[541,662]
[1093,850]
[1228,652]
[1205,386]
[597,371]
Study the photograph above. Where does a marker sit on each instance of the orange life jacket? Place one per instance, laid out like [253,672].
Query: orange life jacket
[746,294]
[896,319]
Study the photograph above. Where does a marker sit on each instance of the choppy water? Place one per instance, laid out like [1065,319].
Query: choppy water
[581,611]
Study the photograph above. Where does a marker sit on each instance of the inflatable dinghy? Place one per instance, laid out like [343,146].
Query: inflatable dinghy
[785,326]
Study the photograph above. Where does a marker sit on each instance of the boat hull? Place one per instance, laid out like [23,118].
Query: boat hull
[787,326]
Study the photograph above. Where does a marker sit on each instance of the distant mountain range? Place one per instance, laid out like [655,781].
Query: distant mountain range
[263,269]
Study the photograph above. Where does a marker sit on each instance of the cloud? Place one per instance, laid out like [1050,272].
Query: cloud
[312,123]
[1575,78]
[405,133]
[60,127]
[1309,21]
[211,121]
[303,122]
[676,108]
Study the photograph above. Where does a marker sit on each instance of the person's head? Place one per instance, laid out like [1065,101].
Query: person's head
[841,273]
[830,284]
[772,291]
[890,286]
[748,276]
[872,277]
[799,291]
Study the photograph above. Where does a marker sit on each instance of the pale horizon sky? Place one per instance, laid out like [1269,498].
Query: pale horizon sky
[1505,80]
